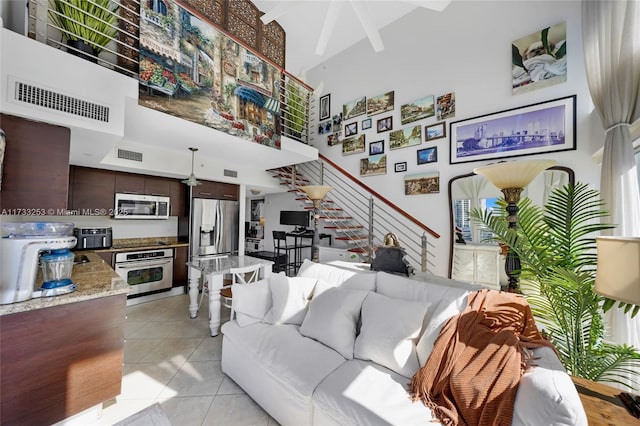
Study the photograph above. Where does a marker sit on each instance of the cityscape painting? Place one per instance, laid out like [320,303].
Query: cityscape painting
[533,129]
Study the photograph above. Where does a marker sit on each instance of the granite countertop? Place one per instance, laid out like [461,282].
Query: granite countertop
[94,279]
[127,244]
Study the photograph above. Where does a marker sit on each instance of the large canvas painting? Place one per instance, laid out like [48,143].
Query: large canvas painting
[193,71]
[539,59]
[374,165]
[353,145]
[381,103]
[423,183]
[354,108]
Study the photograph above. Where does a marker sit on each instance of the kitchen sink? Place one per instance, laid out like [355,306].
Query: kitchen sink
[80,259]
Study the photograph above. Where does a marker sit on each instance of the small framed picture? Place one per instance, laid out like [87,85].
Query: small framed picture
[366,124]
[376,147]
[428,155]
[400,167]
[435,131]
[334,138]
[385,124]
[325,107]
[351,129]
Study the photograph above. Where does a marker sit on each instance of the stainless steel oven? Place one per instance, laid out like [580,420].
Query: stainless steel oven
[146,270]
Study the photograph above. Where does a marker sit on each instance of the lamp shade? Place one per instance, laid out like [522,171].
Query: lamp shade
[618,273]
[514,174]
[316,192]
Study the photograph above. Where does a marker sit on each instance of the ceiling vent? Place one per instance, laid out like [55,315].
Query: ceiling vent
[230,173]
[129,155]
[51,100]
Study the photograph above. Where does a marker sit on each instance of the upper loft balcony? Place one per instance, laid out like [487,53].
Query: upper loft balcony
[158,80]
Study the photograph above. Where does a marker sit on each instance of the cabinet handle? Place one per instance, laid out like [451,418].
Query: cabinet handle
[130,192]
[204,193]
[159,194]
[228,196]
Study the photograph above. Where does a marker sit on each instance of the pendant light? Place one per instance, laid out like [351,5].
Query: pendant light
[191,180]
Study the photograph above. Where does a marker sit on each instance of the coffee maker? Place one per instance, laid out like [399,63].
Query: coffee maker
[20,254]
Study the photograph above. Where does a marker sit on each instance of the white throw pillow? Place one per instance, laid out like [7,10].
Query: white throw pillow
[332,319]
[390,328]
[290,298]
[335,276]
[251,302]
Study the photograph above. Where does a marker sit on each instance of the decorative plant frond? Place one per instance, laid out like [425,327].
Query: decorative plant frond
[94,21]
[557,250]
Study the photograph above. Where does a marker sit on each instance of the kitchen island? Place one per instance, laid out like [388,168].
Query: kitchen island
[62,355]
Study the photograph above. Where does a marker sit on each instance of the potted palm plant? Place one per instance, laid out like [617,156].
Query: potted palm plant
[558,257]
[88,26]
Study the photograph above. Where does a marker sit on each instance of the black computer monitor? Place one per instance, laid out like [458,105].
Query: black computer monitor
[299,219]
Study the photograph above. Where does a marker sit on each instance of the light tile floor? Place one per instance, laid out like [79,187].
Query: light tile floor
[171,359]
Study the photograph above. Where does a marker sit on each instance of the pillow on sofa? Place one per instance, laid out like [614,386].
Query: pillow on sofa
[332,319]
[290,298]
[441,301]
[334,276]
[390,328]
[251,302]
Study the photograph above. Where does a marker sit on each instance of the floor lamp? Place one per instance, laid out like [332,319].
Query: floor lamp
[316,194]
[511,178]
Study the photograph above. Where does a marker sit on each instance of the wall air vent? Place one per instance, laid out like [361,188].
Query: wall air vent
[230,173]
[49,99]
[129,155]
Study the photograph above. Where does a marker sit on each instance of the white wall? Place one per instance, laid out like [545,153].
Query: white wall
[467,50]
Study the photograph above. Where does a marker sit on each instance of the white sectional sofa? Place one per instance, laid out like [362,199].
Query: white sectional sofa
[335,345]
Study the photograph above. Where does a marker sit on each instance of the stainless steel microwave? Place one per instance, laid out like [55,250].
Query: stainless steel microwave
[133,206]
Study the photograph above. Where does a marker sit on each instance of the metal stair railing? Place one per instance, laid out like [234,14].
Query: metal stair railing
[368,209]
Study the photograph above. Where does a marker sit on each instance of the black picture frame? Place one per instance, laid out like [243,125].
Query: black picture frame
[376,147]
[539,128]
[400,167]
[427,155]
[324,107]
[384,124]
[351,129]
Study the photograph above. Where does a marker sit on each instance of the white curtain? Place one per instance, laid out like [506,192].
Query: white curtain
[472,187]
[611,37]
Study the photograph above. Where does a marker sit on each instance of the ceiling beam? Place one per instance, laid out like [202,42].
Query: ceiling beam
[327,27]
[367,23]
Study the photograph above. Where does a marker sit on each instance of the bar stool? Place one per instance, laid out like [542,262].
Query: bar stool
[280,247]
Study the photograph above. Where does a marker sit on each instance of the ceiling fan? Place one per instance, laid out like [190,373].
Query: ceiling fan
[333,12]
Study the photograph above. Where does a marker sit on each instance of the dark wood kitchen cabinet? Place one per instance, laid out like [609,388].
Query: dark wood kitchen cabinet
[178,194]
[216,190]
[91,190]
[129,183]
[35,171]
[156,185]
[180,270]
[61,360]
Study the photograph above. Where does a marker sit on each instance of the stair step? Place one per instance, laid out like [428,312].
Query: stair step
[343,228]
[362,250]
[325,209]
[336,219]
[289,178]
[352,238]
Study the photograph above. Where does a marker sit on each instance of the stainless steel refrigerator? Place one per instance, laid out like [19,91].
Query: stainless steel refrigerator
[214,227]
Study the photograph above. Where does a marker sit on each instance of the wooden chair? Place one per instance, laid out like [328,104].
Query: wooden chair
[281,247]
[242,275]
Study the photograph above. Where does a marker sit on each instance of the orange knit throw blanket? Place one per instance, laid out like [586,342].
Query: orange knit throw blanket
[472,375]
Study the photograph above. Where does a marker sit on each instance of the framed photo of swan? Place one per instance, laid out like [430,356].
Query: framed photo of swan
[533,129]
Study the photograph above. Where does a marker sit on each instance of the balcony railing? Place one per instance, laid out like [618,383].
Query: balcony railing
[120,24]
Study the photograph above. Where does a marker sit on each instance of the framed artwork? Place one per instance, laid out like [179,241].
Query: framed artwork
[534,129]
[374,165]
[354,108]
[539,59]
[353,145]
[334,138]
[423,183]
[400,167]
[428,155]
[381,103]
[417,110]
[351,129]
[366,124]
[324,127]
[376,147]
[403,138]
[385,124]
[325,107]
[435,131]
[256,209]
[336,121]
[446,106]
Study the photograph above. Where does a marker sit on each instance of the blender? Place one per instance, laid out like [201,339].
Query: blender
[19,256]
